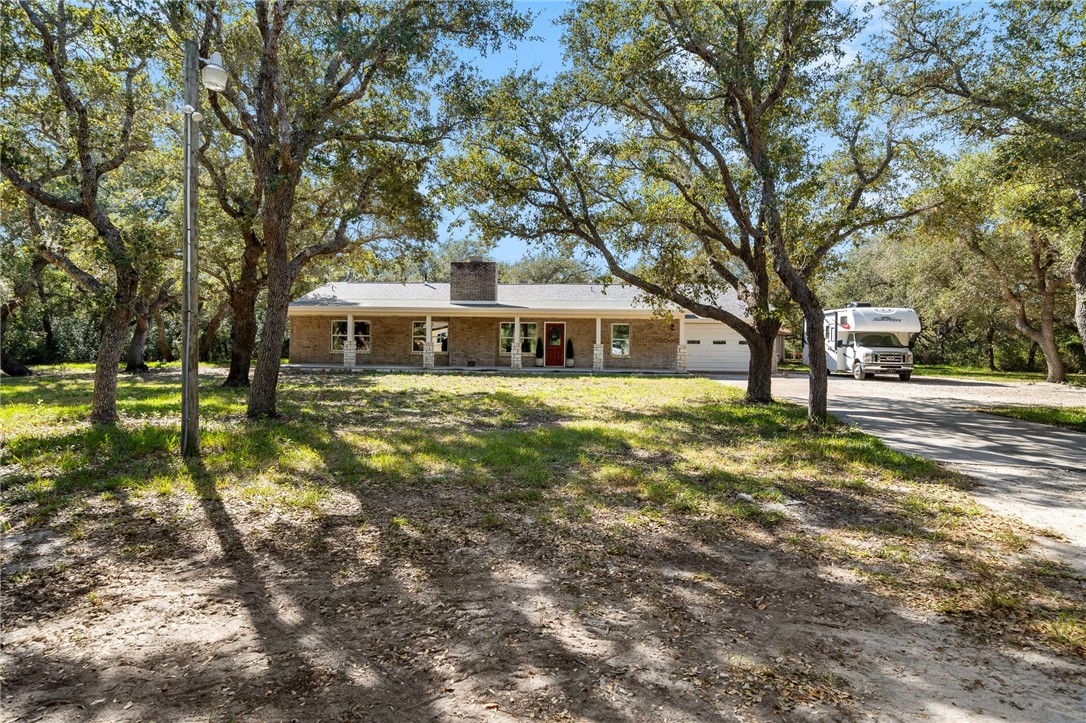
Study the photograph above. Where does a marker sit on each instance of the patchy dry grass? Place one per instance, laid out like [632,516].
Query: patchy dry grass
[598,484]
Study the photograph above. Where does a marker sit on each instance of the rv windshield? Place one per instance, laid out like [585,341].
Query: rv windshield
[878,340]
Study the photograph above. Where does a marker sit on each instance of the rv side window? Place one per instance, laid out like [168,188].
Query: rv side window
[851,340]
[843,321]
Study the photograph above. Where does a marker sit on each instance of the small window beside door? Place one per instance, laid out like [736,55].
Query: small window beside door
[506,331]
[620,339]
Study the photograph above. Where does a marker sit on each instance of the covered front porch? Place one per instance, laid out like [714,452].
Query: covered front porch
[492,339]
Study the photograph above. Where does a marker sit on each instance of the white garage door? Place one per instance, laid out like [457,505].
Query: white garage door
[713,347]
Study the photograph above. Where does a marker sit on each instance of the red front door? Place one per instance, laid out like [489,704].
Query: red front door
[554,338]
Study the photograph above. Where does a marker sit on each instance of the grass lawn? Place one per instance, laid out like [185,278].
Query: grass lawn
[1072,417]
[956,372]
[458,546]
[986,375]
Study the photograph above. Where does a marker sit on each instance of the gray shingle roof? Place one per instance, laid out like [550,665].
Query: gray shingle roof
[395,296]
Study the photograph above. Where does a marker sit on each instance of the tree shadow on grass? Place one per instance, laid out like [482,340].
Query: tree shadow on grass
[497,560]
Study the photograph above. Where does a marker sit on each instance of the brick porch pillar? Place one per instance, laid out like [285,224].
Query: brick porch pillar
[680,358]
[597,348]
[680,350]
[597,357]
[515,362]
[349,349]
[428,355]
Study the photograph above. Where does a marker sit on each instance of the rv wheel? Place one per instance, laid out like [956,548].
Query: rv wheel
[905,376]
[858,371]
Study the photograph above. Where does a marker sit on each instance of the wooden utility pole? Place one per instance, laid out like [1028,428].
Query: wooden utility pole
[190,353]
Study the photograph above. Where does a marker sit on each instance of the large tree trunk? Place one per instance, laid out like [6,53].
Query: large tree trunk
[1051,352]
[760,367]
[1078,277]
[989,341]
[278,209]
[138,345]
[164,349]
[1044,339]
[809,304]
[211,330]
[1047,341]
[817,407]
[114,332]
[243,306]
[760,372]
[266,374]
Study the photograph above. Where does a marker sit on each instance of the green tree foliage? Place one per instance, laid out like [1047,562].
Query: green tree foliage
[1015,70]
[1021,232]
[78,110]
[331,104]
[692,145]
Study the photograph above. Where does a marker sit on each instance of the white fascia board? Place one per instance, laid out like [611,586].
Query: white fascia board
[502,310]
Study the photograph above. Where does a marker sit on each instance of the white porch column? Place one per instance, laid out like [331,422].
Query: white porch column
[597,348]
[514,355]
[349,345]
[428,344]
[680,350]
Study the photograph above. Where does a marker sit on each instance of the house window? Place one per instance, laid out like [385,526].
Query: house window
[620,339]
[439,335]
[361,336]
[528,333]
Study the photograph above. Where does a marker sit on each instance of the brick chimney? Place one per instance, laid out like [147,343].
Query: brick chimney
[474,280]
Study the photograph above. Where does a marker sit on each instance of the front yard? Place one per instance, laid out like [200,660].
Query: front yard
[409,546]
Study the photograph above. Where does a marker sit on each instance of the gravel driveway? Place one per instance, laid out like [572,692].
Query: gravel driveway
[1034,472]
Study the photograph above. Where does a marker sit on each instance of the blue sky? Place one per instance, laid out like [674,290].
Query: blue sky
[543,51]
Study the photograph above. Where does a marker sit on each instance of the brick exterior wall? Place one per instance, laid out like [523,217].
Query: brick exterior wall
[652,344]
[475,280]
[390,341]
[475,339]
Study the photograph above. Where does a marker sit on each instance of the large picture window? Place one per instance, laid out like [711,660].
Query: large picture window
[506,331]
[620,339]
[439,334]
[361,336]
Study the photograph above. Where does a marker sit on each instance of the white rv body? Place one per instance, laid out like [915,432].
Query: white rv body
[865,341]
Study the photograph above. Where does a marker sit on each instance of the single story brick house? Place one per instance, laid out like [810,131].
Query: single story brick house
[476,322]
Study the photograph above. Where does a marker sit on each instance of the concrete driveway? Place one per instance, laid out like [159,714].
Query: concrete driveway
[1034,472]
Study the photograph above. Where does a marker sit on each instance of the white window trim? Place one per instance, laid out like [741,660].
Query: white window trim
[411,343]
[629,341]
[332,336]
[522,337]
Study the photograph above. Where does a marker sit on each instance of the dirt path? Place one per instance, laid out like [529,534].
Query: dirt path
[240,618]
[1034,472]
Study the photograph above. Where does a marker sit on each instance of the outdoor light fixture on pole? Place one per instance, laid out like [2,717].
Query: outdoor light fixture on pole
[214,77]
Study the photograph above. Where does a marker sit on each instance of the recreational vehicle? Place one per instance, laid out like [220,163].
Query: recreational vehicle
[866,341]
